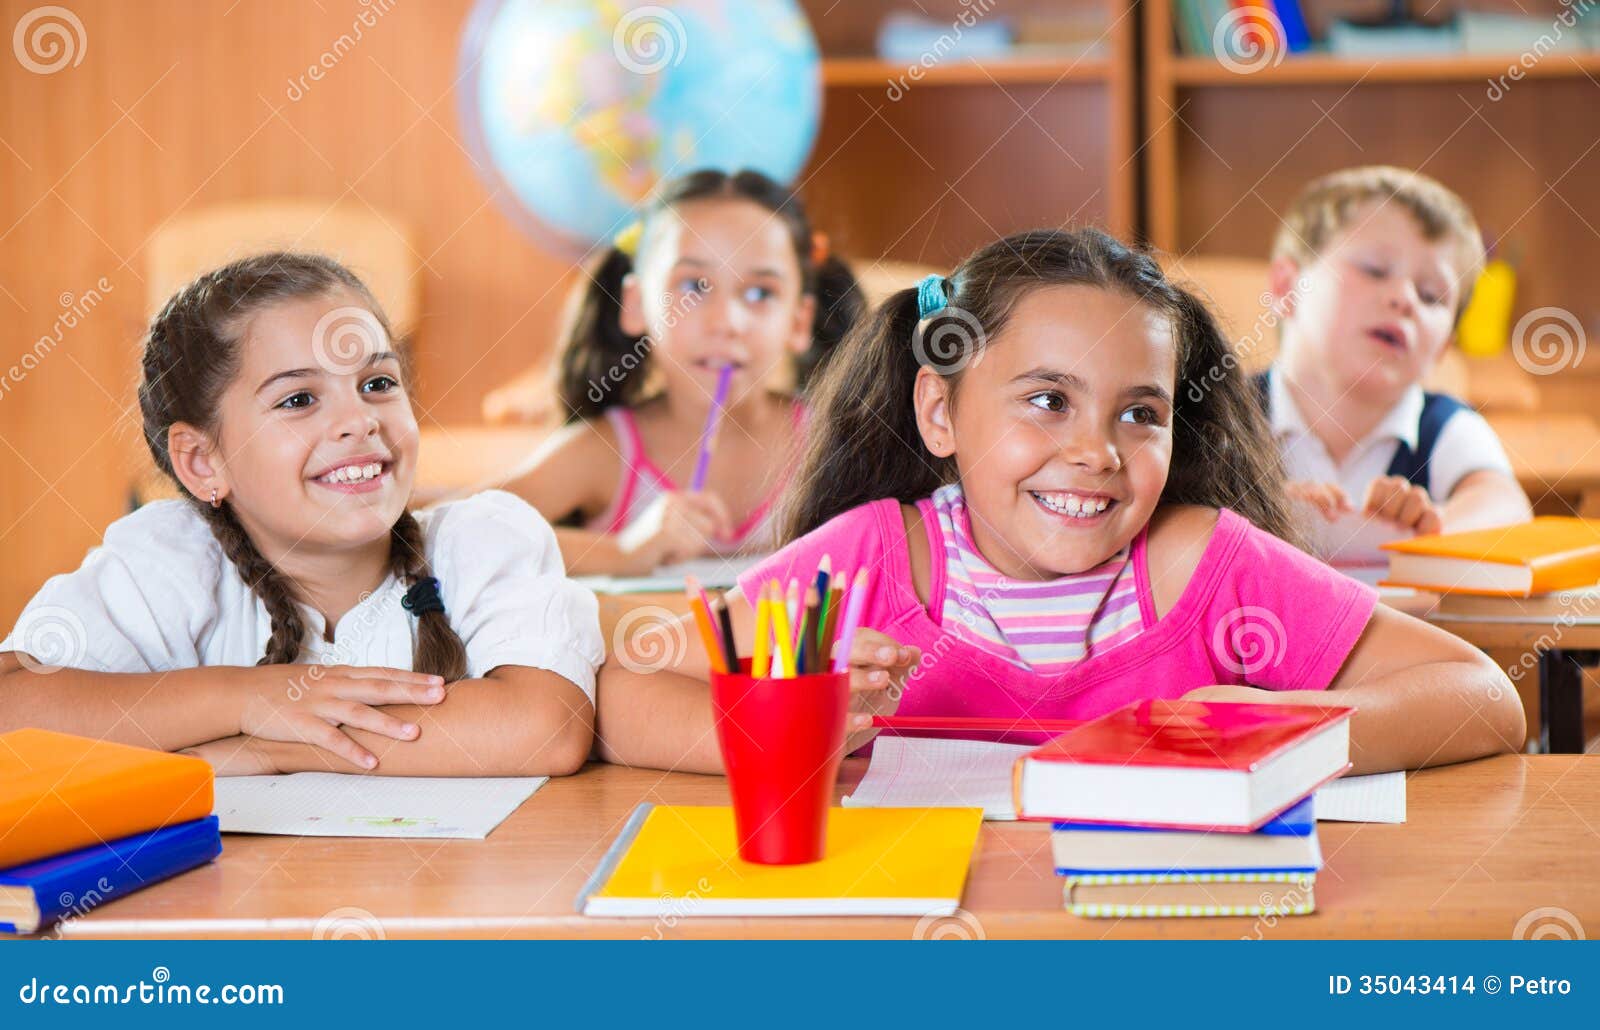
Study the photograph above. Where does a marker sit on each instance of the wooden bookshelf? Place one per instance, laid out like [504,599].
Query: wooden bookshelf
[927,166]
[872,71]
[1226,151]
[1325,68]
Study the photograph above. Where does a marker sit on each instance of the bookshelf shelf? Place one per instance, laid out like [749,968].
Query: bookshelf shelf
[927,167]
[859,72]
[1325,68]
[1225,151]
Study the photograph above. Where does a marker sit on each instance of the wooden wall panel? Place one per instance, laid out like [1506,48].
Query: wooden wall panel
[177,104]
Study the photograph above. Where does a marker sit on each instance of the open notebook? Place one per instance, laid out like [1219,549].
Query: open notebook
[346,805]
[937,772]
[713,574]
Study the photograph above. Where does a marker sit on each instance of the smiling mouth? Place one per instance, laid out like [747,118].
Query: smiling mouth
[1073,505]
[355,475]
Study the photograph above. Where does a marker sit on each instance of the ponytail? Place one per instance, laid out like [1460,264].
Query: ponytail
[864,444]
[840,305]
[599,366]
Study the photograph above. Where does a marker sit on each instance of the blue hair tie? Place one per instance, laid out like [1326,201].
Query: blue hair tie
[423,597]
[931,297]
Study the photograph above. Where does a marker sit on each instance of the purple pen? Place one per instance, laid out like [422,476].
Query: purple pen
[709,436]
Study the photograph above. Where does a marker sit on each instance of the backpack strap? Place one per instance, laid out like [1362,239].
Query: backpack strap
[1437,409]
[1264,392]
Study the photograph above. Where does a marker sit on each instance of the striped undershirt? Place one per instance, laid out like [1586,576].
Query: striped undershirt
[1042,626]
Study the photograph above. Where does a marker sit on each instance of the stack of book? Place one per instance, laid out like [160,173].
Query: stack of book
[84,822]
[1187,808]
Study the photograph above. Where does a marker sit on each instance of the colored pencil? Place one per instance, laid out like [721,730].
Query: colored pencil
[829,623]
[852,621]
[791,606]
[808,659]
[781,633]
[824,578]
[724,621]
[702,619]
[761,659]
[708,437]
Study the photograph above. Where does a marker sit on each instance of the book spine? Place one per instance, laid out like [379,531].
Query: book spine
[110,873]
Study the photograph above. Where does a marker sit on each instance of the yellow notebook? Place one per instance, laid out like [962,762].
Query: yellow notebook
[683,861]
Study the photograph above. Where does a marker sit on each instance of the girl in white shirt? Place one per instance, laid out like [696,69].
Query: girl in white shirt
[273,396]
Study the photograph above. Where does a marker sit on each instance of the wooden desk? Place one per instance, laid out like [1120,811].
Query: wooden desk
[1487,843]
[1554,456]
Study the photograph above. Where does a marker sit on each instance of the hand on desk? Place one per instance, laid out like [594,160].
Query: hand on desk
[309,703]
[879,668]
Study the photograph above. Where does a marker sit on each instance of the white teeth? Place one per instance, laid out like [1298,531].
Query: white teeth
[354,473]
[1072,504]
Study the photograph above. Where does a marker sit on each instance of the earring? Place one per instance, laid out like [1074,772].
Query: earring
[214,502]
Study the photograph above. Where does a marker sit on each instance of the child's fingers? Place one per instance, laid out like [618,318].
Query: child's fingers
[365,717]
[1384,496]
[372,691]
[716,509]
[1414,504]
[1430,523]
[337,742]
[378,672]
[878,650]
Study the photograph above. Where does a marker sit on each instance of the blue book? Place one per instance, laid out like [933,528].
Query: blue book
[1299,820]
[1295,34]
[1286,844]
[35,894]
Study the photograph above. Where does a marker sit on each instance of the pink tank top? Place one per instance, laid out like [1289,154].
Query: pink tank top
[643,481]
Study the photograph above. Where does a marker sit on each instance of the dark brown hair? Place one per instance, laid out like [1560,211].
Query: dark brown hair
[864,444]
[599,366]
[190,356]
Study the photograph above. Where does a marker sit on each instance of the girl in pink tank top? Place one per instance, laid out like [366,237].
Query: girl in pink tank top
[720,289]
[1063,490]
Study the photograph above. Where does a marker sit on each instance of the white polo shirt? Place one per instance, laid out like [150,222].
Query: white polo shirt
[159,594]
[1466,444]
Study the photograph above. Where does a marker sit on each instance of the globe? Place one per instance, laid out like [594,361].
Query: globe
[574,111]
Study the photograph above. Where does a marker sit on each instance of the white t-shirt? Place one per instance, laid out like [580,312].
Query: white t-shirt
[159,594]
[1466,444]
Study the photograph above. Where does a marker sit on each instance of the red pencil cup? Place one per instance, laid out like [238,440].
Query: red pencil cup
[782,741]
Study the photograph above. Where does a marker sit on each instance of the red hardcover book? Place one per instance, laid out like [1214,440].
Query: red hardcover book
[1196,765]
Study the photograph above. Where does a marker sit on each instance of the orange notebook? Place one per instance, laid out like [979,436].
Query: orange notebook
[1538,557]
[59,792]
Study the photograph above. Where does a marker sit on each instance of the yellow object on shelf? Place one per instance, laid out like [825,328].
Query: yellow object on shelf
[1485,328]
